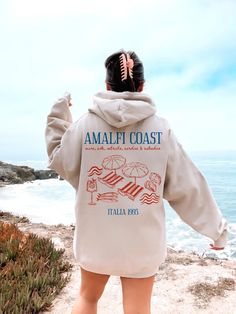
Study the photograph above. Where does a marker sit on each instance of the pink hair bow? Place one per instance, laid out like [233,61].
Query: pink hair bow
[126,66]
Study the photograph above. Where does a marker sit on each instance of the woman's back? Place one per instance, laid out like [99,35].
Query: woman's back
[123,159]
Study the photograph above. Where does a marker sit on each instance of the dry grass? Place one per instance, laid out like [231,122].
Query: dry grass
[204,291]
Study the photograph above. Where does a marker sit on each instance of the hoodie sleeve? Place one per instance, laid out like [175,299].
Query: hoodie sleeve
[189,195]
[63,141]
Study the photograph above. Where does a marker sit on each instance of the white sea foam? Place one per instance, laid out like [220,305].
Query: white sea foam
[48,201]
[183,237]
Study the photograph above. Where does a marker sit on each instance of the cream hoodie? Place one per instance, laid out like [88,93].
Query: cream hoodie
[123,160]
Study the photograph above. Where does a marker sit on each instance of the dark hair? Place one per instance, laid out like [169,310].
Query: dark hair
[113,72]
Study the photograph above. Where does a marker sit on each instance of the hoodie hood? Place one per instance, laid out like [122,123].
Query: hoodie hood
[120,109]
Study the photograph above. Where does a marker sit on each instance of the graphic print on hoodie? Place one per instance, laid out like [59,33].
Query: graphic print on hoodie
[115,179]
[123,160]
[115,164]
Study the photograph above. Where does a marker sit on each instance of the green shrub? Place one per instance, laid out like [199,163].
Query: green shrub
[31,271]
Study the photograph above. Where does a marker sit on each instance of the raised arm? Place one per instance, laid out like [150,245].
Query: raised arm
[189,195]
[63,141]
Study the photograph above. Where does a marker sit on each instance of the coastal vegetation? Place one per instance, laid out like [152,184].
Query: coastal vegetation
[32,271]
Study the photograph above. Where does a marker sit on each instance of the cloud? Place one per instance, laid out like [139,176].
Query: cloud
[193,31]
[27,9]
[203,119]
[188,49]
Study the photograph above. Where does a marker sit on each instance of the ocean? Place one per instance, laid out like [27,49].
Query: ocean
[52,202]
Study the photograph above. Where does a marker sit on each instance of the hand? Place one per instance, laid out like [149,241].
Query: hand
[212,247]
[67,95]
[221,242]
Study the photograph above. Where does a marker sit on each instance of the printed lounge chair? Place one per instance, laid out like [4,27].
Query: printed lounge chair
[131,190]
[111,179]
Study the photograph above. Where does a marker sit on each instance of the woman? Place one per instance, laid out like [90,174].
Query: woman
[123,160]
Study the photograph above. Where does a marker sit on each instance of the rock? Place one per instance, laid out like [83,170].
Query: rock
[15,174]
[12,174]
[45,174]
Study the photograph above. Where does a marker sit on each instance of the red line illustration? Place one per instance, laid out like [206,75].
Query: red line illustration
[131,190]
[111,179]
[95,170]
[108,197]
[125,188]
[92,187]
[155,178]
[135,170]
[149,198]
[113,162]
[150,186]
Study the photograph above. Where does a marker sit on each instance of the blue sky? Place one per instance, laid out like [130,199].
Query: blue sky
[48,47]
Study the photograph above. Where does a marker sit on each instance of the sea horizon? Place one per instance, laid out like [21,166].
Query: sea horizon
[191,153]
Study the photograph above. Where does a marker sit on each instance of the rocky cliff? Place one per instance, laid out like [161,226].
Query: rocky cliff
[12,174]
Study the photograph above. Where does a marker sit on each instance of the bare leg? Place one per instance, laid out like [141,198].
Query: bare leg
[137,294]
[91,289]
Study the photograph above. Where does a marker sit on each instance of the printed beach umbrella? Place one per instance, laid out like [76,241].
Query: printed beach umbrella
[113,162]
[135,170]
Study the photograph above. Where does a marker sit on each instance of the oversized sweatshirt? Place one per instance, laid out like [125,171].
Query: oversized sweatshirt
[123,160]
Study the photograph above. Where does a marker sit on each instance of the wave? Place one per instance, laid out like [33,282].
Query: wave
[94,170]
[149,198]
